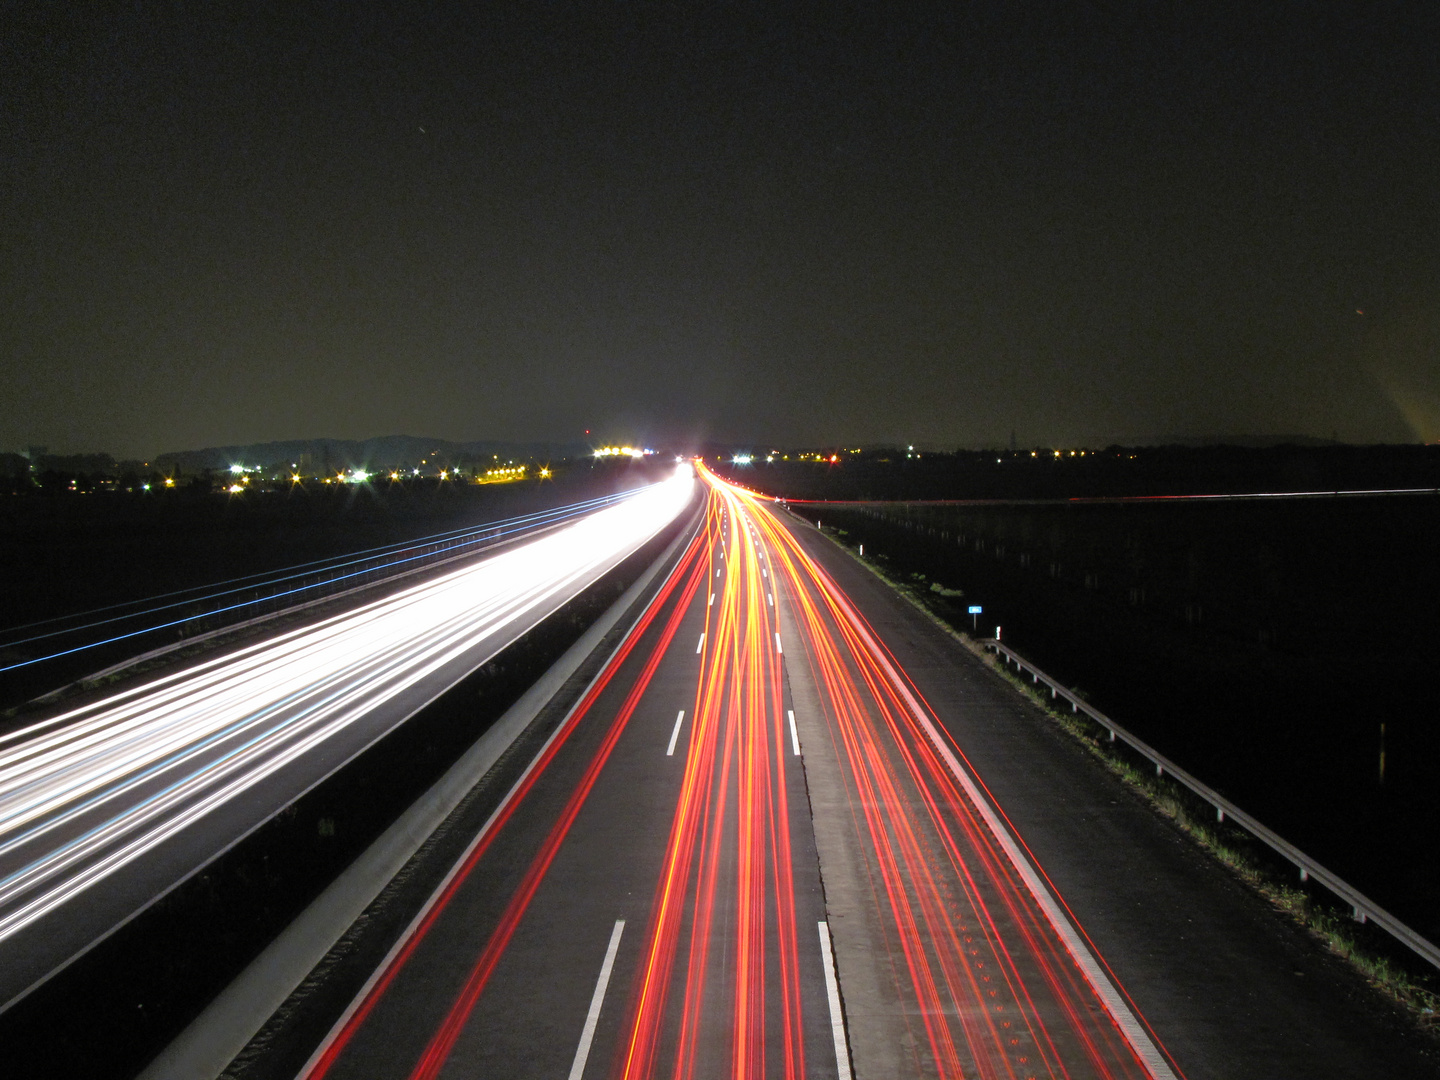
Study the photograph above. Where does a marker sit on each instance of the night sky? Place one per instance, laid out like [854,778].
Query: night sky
[796,224]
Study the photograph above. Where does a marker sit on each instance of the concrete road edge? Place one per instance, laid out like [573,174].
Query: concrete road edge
[213,1039]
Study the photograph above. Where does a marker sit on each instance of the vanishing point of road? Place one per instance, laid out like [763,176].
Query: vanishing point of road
[791,828]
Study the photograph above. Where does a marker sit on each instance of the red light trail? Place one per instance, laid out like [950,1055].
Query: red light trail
[734,765]
[992,968]
[444,1038]
[994,979]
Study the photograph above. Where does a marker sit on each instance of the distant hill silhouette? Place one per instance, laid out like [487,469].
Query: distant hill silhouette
[382,452]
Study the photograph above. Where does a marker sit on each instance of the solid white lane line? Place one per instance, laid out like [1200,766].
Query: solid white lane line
[1125,1020]
[777,642]
[670,750]
[577,1070]
[701,644]
[832,991]
[794,736]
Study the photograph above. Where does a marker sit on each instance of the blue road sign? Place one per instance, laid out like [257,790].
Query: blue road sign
[974,609]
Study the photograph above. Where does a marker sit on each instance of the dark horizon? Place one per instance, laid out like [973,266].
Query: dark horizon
[586,446]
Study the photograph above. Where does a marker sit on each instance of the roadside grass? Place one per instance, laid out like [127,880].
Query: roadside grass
[1418,992]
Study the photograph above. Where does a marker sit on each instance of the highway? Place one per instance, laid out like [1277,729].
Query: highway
[107,806]
[659,894]
[779,825]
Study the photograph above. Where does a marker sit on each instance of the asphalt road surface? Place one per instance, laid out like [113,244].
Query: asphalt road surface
[792,828]
[105,807]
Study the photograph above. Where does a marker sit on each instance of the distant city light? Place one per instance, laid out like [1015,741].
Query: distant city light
[741,459]
[622,451]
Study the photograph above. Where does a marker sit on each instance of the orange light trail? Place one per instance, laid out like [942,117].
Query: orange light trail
[990,971]
[997,988]
[730,830]
[433,1059]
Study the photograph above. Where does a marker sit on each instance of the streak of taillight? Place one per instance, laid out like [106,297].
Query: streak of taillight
[688,572]
[734,766]
[444,1039]
[993,984]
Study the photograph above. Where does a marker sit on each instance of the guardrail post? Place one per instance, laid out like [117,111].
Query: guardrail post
[1360,906]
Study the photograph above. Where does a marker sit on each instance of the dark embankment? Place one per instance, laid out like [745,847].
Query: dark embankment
[1283,650]
[78,553]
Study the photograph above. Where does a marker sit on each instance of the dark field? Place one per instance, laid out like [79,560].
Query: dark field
[66,554]
[1262,645]
[69,553]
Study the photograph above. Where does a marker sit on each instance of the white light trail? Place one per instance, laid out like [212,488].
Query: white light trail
[89,791]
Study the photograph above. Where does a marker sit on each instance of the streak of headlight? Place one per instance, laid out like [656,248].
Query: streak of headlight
[388,559]
[687,580]
[96,787]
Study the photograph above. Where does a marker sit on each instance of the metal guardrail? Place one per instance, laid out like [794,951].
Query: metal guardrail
[1362,907]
